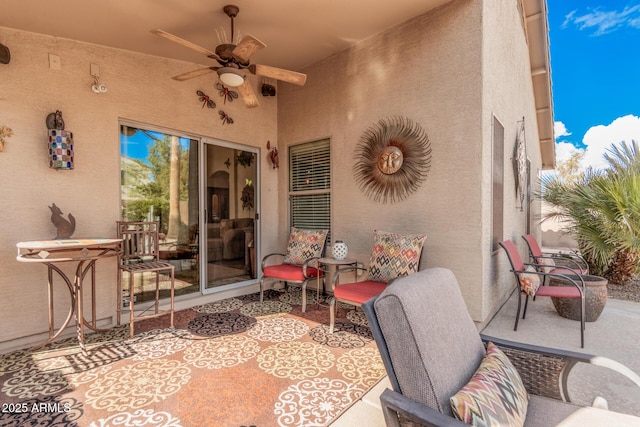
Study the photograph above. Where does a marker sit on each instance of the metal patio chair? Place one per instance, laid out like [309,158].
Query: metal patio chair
[140,256]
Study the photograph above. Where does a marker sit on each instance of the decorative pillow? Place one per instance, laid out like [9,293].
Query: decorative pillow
[547,263]
[304,244]
[529,282]
[394,255]
[495,395]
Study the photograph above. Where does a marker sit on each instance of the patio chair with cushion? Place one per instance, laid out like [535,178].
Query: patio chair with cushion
[393,255]
[300,262]
[556,262]
[528,281]
[443,371]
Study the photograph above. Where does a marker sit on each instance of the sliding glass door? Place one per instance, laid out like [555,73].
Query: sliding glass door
[230,226]
[159,182]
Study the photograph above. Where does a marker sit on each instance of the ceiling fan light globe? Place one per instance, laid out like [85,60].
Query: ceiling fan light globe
[230,77]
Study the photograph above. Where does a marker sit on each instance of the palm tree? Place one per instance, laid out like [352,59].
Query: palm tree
[603,212]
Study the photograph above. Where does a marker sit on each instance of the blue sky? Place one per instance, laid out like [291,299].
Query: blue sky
[595,71]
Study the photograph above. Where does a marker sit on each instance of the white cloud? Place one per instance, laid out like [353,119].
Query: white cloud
[564,150]
[600,138]
[560,130]
[604,21]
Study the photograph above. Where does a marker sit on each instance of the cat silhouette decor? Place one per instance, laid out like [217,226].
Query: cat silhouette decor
[65,228]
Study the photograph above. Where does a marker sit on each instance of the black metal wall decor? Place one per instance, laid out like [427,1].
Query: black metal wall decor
[392,159]
[520,164]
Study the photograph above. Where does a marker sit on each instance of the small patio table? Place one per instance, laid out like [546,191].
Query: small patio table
[84,253]
[328,262]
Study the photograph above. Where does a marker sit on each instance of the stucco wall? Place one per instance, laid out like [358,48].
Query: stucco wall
[449,70]
[140,89]
[429,70]
[507,93]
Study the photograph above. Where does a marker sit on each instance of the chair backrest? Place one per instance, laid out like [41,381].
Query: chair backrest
[514,256]
[532,243]
[139,241]
[430,344]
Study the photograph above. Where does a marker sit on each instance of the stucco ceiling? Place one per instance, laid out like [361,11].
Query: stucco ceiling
[297,32]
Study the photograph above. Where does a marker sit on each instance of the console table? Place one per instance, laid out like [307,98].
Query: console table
[83,253]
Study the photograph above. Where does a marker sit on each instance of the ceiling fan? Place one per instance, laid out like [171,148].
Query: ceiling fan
[234,62]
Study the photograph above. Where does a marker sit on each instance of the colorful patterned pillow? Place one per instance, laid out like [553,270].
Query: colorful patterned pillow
[495,395]
[304,244]
[547,263]
[529,282]
[394,255]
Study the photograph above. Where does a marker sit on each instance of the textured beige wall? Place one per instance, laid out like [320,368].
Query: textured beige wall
[448,70]
[440,71]
[429,70]
[140,89]
[507,93]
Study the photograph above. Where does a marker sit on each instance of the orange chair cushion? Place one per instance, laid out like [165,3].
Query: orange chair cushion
[359,292]
[289,272]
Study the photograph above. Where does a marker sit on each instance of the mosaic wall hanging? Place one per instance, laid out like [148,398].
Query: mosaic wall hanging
[392,159]
[60,143]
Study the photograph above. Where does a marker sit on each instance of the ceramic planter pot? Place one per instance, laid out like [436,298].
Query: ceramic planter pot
[595,298]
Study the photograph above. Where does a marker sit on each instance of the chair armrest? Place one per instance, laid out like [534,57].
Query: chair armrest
[339,271]
[558,275]
[571,258]
[545,371]
[308,263]
[398,408]
[263,264]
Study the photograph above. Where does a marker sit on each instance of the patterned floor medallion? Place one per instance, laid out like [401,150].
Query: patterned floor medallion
[236,362]
[137,385]
[217,324]
[345,335]
[315,402]
[295,360]
[278,329]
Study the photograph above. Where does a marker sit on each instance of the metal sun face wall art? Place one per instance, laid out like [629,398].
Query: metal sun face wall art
[392,159]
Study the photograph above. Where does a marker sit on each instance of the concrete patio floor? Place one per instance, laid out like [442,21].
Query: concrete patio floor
[615,335]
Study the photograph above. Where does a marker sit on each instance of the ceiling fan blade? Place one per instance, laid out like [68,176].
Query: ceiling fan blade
[183,42]
[246,48]
[278,74]
[248,95]
[193,74]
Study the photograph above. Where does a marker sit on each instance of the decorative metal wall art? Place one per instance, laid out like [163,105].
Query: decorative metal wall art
[64,227]
[225,118]
[520,164]
[392,158]
[205,99]
[273,155]
[226,93]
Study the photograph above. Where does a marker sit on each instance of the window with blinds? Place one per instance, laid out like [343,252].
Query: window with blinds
[310,185]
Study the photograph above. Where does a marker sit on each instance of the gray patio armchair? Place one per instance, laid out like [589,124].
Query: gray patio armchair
[431,349]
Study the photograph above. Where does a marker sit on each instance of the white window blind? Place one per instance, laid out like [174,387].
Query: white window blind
[310,185]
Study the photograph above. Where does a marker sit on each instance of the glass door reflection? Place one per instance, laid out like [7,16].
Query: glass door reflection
[231,180]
